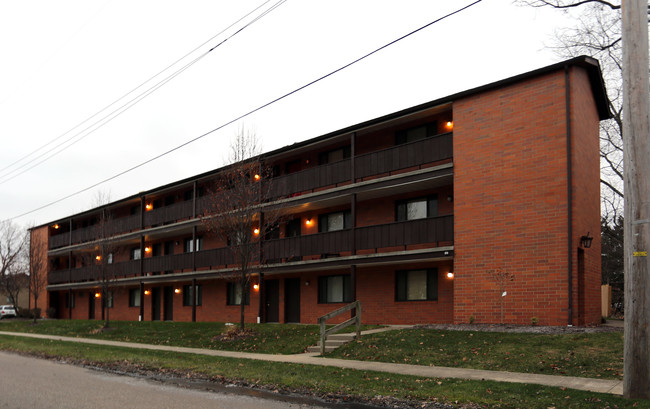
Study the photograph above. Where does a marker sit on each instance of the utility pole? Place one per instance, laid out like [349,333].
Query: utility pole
[636,134]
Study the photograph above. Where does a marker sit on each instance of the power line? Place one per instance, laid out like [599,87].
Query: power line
[240,117]
[124,107]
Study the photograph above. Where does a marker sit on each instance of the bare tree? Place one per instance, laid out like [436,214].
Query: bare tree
[12,243]
[37,266]
[597,33]
[236,215]
[501,278]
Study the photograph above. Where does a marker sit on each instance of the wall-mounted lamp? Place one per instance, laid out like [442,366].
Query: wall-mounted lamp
[307,283]
[449,125]
[147,292]
[98,257]
[308,222]
[148,206]
[177,290]
[147,249]
[256,177]
[56,226]
[256,231]
[450,275]
[98,295]
[256,287]
[585,241]
[450,198]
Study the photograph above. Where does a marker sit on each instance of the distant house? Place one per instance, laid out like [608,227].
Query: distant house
[410,213]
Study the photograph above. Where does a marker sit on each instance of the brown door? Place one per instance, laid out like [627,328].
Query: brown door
[91,305]
[272,300]
[292,300]
[168,303]
[155,304]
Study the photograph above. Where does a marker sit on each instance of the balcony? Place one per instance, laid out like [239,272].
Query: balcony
[431,231]
[382,162]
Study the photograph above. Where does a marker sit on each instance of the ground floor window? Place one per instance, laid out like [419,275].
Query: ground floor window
[235,294]
[134,297]
[188,295]
[109,299]
[333,289]
[69,300]
[416,285]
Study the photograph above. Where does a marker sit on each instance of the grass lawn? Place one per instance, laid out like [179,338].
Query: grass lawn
[322,380]
[596,355]
[269,338]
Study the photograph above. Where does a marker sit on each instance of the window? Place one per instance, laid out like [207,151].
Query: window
[108,301]
[188,295]
[334,221]
[136,254]
[416,285]
[169,248]
[156,250]
[414,209]
[334,155]
[416,133]
[235,294]
[134,297]
[333,289]
[189,244]
[69,300]
[293,228]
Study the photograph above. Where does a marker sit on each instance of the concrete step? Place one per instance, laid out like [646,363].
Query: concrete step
[344,337]
[334,342]
[317,348]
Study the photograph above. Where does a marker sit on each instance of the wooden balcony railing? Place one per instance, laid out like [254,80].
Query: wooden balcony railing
[331,244]
[375,163]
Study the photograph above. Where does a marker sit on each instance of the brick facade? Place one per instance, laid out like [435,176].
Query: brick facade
[435,198]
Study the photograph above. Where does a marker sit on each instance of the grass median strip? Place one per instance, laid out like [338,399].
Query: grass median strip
[591,355]
[316,380]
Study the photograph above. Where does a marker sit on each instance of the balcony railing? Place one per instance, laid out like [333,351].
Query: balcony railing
[374,163]
[432,231]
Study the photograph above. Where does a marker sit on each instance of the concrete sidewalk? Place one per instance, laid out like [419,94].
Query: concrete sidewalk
[585,384]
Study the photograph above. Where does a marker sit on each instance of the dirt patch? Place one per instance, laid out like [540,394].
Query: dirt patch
[235,334]
[529,329]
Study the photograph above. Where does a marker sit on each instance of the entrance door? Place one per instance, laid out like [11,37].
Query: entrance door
[155,304]
[272,300]
[91,305]
[169,303]
[292,300]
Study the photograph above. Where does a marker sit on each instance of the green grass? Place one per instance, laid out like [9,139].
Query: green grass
[322,380]
[269,338]
[597,355]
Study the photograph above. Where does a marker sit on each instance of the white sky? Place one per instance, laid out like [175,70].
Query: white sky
[61,62]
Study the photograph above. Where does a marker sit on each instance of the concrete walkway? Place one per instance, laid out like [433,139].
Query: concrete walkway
[585,384]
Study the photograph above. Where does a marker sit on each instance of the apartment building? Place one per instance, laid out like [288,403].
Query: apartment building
[481,206]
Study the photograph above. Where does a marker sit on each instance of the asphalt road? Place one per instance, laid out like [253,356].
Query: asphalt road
[36,383]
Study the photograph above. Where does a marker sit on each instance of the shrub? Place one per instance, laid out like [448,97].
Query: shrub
[51,312]
[471,319]
[534,320]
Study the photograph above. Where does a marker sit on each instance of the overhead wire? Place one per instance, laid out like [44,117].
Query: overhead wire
[124,107]
[240,117]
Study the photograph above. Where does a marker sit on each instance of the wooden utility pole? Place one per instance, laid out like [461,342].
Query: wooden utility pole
[636,134]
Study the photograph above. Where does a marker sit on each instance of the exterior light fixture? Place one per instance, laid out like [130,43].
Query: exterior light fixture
[450,275]
[256,287]
[56,226]
[147,249]
[256,231]
[308,222]
[147,292]
[257,177]
[177,290]
[585,241]
[98,257]
[449,125]
[148,206]
[98,295]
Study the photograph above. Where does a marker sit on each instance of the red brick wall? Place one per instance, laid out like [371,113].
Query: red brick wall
[586,199]
[510,203]
[511,207]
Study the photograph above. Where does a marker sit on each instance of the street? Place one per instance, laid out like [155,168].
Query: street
[37,383]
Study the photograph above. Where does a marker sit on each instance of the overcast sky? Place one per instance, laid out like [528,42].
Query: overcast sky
[64,61]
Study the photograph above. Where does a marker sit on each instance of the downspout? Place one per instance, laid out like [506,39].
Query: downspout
[567,96]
